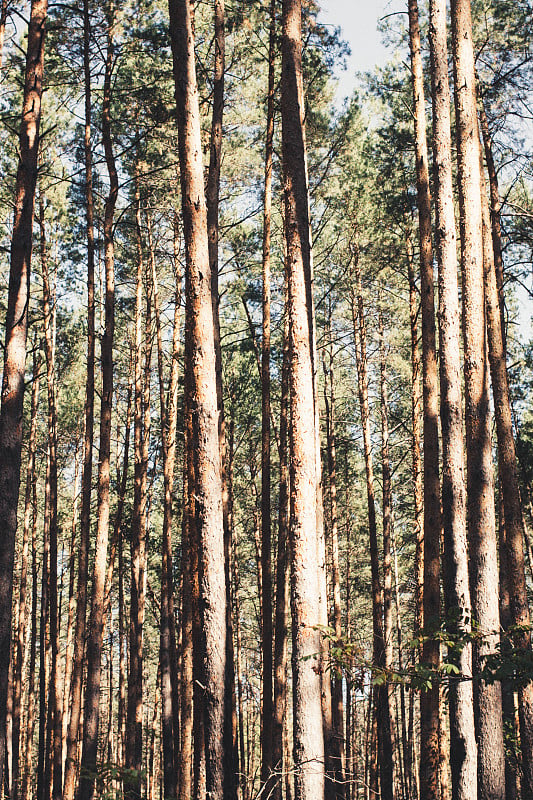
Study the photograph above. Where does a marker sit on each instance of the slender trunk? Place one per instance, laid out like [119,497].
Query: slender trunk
[85,519]
[94,641]
[305,581]
[463,747]
[429,700]
[69,648]
[267,709]
[11,412]
[27,784]
[200,359]
[3,20]
[139,518]
[381,696]
[337,701]
[186,720]
[23,615]
[282,573]
[169,693]
[55,707]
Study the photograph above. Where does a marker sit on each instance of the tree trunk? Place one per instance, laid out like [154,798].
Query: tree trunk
[94,641]
[480,488]
[282,572]
[305,588]
[23,593]
[267,708]
[337,701]
[381,696]
[139,518]
[27,783]
[200,356]
[169,715]
[85,519]
[15,339]
[509,485]
[429,700]
[55,708]
[457,594]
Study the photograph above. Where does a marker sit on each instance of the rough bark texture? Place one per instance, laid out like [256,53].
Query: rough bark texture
[282,573]
[267,709]
[15,339]
[200,355]
[509,483]
[457,593]
[382,718]
[305,589]
[429,700]
[85,519]
[95,636]
[480,490]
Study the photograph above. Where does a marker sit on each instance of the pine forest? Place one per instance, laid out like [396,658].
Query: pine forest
[266,419]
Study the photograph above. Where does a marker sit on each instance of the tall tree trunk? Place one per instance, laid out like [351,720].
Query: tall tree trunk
[282,572]
[26,791]
[200,356]
[457,595]
[429,700]
[305,586]
[381,696]
[169,714]
[11,410]
[139,517]
[267,709]
[55,708]
[85,518]
[20,630]
[337,700]
[509,484]
[480,484]
[186,720]
[94,641]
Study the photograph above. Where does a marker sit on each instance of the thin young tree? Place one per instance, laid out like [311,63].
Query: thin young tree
[15,339]
[95,635]
[429,700]
[87,469]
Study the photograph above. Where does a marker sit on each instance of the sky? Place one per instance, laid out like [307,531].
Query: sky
[358,20]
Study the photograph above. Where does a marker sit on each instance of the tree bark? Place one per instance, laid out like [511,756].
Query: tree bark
[509,483]
[429,700]
[305,583]
[480,488]
[94,641]
[20,629]
[381,696]
[457,595]
[11,410]
[267,709]
[200,355]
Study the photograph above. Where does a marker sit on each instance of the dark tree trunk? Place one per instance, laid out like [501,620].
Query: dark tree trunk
[15,340]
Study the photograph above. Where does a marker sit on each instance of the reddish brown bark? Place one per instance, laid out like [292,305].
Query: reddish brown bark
[200,358]
[457,591]
[15,339]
